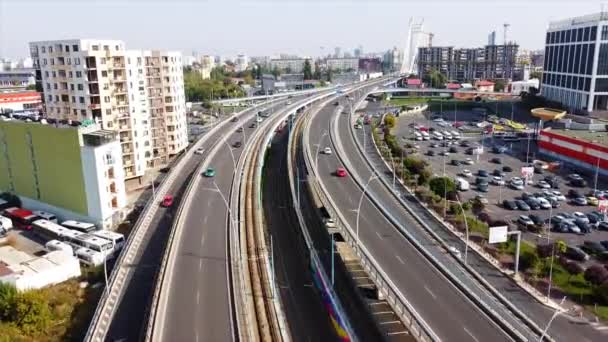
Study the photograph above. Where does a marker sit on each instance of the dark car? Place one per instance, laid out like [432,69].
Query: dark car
[496,160]
[521,205]
[579,183]
[234,119]
[465,143]
[583,226]
[430,153]
[470,150]
[483,187]
[553,181]
[483,173]
[537,220]
[499,149]
[237,144]
[498,173]
[538,170]
[510,205]
[533,203]
[603,225]
[573,193]
[595,216]
[593,247]
[455,162]
[453,149]
[576,253]
[252,125]
[554,203]
[481,180]
[507,168]
[239,130]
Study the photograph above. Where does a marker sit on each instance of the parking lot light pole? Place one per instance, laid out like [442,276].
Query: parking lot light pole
[551,272]
[466,227]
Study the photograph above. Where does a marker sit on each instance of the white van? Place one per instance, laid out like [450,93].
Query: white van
[425,135]
[89,257]
[45,215]
[56,245]
[437,135]
[417,136]
[462,184]
[84,227]
[455,135]
[6,223]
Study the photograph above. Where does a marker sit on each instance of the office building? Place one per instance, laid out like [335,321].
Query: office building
[289,65]
[576,63]
[17,79]
[337,52]
[74,172]
[137,93]
[492,38]
[370,65]
[465,64]
[343,64]
[241,63]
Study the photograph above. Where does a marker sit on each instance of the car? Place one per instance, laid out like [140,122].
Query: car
[330,223]
[336,103]
[497,181]
[483,187]
[510,205]
[496,160]
[558,195]
[259,119]
[583,226]
[573,193]
[524,220]
[455,252]
[538,170]
[599,194]
[507,168]
[455,162]
[595,217]
[579,183]
[538,221]
[481,199]
[483,173]
[468,161]
[553,181]
[592,201]
[525,195]
[499,149]
[445,153]
[498,173]
[603,226]
[465,143]
[199,151]
[358,126]
[481,180]
[453,149]
[434,145]
[543,185]
[209,172]
[521,205]
[430,153]
[341,172]
[576,253]
[516,183]
[167,201]
[554,203]
[327,150]
[237,144]
[579,201]
[234,119]
[544,203]
[581,216]
[533,203]
[466,173]
[593,247]
[573,176]
[252,125]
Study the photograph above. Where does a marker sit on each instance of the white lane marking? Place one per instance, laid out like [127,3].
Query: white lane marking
[468,332]
[205,220]
[198,297]
[379,236]
[430,292]
[200,264]
[400,260]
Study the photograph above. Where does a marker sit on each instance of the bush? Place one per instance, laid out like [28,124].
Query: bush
[8,293]
[29,311]
[528,259]
[544,251]
[596,274]
[601,292]
[442,185]
[389,120]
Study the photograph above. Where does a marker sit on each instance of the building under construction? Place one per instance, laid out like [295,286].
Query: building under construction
[468,64]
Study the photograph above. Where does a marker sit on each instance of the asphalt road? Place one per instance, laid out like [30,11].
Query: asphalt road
[451,315]
[129,321]
[198,305]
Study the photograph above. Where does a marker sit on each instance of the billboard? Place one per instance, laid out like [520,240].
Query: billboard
[498,234]
[602,206]
[527,172]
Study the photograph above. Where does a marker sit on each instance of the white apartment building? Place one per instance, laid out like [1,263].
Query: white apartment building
[344,64]
[576,63]
[138,93]
[289,66]
[241,63]
[207,64]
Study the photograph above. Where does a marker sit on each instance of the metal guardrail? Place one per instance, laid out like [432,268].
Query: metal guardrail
[107,304]
[510,306]
[406,312]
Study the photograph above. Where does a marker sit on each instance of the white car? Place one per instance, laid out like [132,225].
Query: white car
[543,185]
[259,119]
[327,150]
[498,181]
[469,161]
[466,173]
[516,183]
[330,223]
[438,120]
[543,202]
[455,252]
[357,126]
[559,196]
[525,220]
[580,216]
[199,151]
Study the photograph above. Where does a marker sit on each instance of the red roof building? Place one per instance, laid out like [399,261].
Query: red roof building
[414,83]
[453,86]
[20,101]
[484,86]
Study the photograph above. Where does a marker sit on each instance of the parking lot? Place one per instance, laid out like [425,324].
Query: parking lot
[514,158]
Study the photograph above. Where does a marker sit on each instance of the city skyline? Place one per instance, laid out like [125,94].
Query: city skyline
[253,29]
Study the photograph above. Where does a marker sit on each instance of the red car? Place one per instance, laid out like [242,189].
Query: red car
[341,172]
[167,201]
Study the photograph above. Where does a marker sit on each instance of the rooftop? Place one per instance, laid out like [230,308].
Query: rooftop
[600,138]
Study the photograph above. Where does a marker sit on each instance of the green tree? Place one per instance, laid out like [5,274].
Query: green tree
[317,73]
[258,71]
[31,87]
[528,259]
[435,79]
[307,70]
[276,72]
[8,293]
[30,311]
[499,85]
[442,185]
[329,74]
[249,80]
[390,120]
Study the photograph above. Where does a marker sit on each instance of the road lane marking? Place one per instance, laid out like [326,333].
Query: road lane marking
[198,297]
[200,264]
[472,336]
[430,292]
[400,260]
[403,332]
[379,236]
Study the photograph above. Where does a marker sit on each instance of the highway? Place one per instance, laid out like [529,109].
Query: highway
[129,319]
[451,315]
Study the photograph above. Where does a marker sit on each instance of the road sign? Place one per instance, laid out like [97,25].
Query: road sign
[602,206]
[498,234]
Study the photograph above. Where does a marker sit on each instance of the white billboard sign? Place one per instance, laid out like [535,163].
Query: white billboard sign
[527,172]
[602,206]
[498,234]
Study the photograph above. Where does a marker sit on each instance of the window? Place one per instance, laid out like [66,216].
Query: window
[587,84]
[48,86]
[579,35]
[83,112]
[44,49]
[590,58]
[586,34]
[73,99]
[78,74]
[77,61]
[50,98]
[52,61]
[106,99]
[604,32]
[69,60]
[81,99]
[102,60]
[75,112]
[72,86]
[593,33]
[106,47]
[44,61]
[54,74]
[576,61]
[71,74]
[601,84]
[116,47]
[567,40]
[46,74]
[602,65]
[95,47]
[570,58]
[67,48]
[80,87]
[104,73]
[106,86]
[55,86]
[108,111]
[75,48]
[50,49]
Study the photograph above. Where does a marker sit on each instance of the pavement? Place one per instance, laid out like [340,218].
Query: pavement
[450,314]
[563,328]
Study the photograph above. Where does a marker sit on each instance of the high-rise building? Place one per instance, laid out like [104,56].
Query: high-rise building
[207,63]
[575,71]
[343,64]
[337,52]
[492,38]
[466,64]
[288,65]
[138,93]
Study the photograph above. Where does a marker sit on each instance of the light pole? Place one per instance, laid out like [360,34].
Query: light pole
[551,272]
[558,311]
[371,178]
[597,169]
[466,227]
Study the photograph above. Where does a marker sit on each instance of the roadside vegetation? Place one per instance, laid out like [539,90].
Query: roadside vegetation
[587,287]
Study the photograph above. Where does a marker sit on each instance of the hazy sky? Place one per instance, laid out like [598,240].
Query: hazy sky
[269,27]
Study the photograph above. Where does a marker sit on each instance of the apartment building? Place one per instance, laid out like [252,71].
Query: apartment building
[344,64]
[576,63]
[288,65]
[137,93]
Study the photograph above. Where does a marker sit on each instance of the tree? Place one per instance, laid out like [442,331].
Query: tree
[30,311]
[307,70]
[329,74]
[389,120]
[596,274]
[31,87]
[8,293]
[528,259]
[442,185]
[499,85]
[249,80]
[435,79]
[317,74]
[276,72]
[574,269]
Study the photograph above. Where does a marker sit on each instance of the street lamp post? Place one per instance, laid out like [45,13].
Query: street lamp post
[371,178]
[466,226]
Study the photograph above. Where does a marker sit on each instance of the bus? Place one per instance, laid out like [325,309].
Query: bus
[89,257]
[47,216]
[56,245]
[79,226]
[22,218]
[51,231]
[117,239]
[96,243]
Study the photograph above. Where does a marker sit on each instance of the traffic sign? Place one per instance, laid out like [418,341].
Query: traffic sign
[498,234]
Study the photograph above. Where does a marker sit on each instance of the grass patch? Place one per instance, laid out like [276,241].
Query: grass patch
[601,311]
[573,286]
[406,101]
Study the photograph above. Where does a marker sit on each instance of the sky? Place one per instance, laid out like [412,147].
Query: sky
[270,27]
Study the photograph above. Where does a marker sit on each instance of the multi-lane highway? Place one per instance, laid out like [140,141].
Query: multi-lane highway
[451,314]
